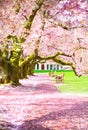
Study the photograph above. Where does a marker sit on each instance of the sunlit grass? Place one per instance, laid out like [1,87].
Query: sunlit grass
[74,84]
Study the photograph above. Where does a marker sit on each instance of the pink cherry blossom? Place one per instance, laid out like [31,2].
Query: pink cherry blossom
[59,26]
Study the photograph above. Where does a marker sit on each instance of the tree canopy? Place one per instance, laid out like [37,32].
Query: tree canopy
[35,30]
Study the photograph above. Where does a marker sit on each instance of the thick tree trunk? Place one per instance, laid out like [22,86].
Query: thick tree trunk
[12,75]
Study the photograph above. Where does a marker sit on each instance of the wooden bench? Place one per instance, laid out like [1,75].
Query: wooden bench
[59,78]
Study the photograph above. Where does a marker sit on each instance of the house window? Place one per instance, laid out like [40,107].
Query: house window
[37,66]
[51,67]
[61,67]
[47,67]
[54,67]
[57,67]
[42,67]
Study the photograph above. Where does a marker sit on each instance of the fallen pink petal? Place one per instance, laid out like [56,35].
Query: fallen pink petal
[40,106]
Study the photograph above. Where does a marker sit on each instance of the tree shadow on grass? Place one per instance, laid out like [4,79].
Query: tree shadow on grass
[73,114]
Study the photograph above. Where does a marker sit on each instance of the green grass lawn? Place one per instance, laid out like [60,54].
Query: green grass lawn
[74,84]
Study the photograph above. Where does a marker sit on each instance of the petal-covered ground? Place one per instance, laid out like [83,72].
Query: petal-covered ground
[38,105]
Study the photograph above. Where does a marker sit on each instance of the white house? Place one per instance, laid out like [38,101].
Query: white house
[49,65]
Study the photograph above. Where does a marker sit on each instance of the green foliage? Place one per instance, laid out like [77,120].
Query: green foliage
[14,58]
[16,39]
[9,36]
[4,55]
[4,52]
[21,39]
[17,48]
[27,24]
[39,2]
[15,54]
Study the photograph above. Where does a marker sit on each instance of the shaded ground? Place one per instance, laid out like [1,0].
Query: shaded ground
[38,105]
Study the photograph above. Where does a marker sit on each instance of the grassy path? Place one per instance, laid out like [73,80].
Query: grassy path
[38,105]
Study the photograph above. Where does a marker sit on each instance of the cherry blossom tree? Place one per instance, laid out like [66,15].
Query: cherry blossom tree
[43,30]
